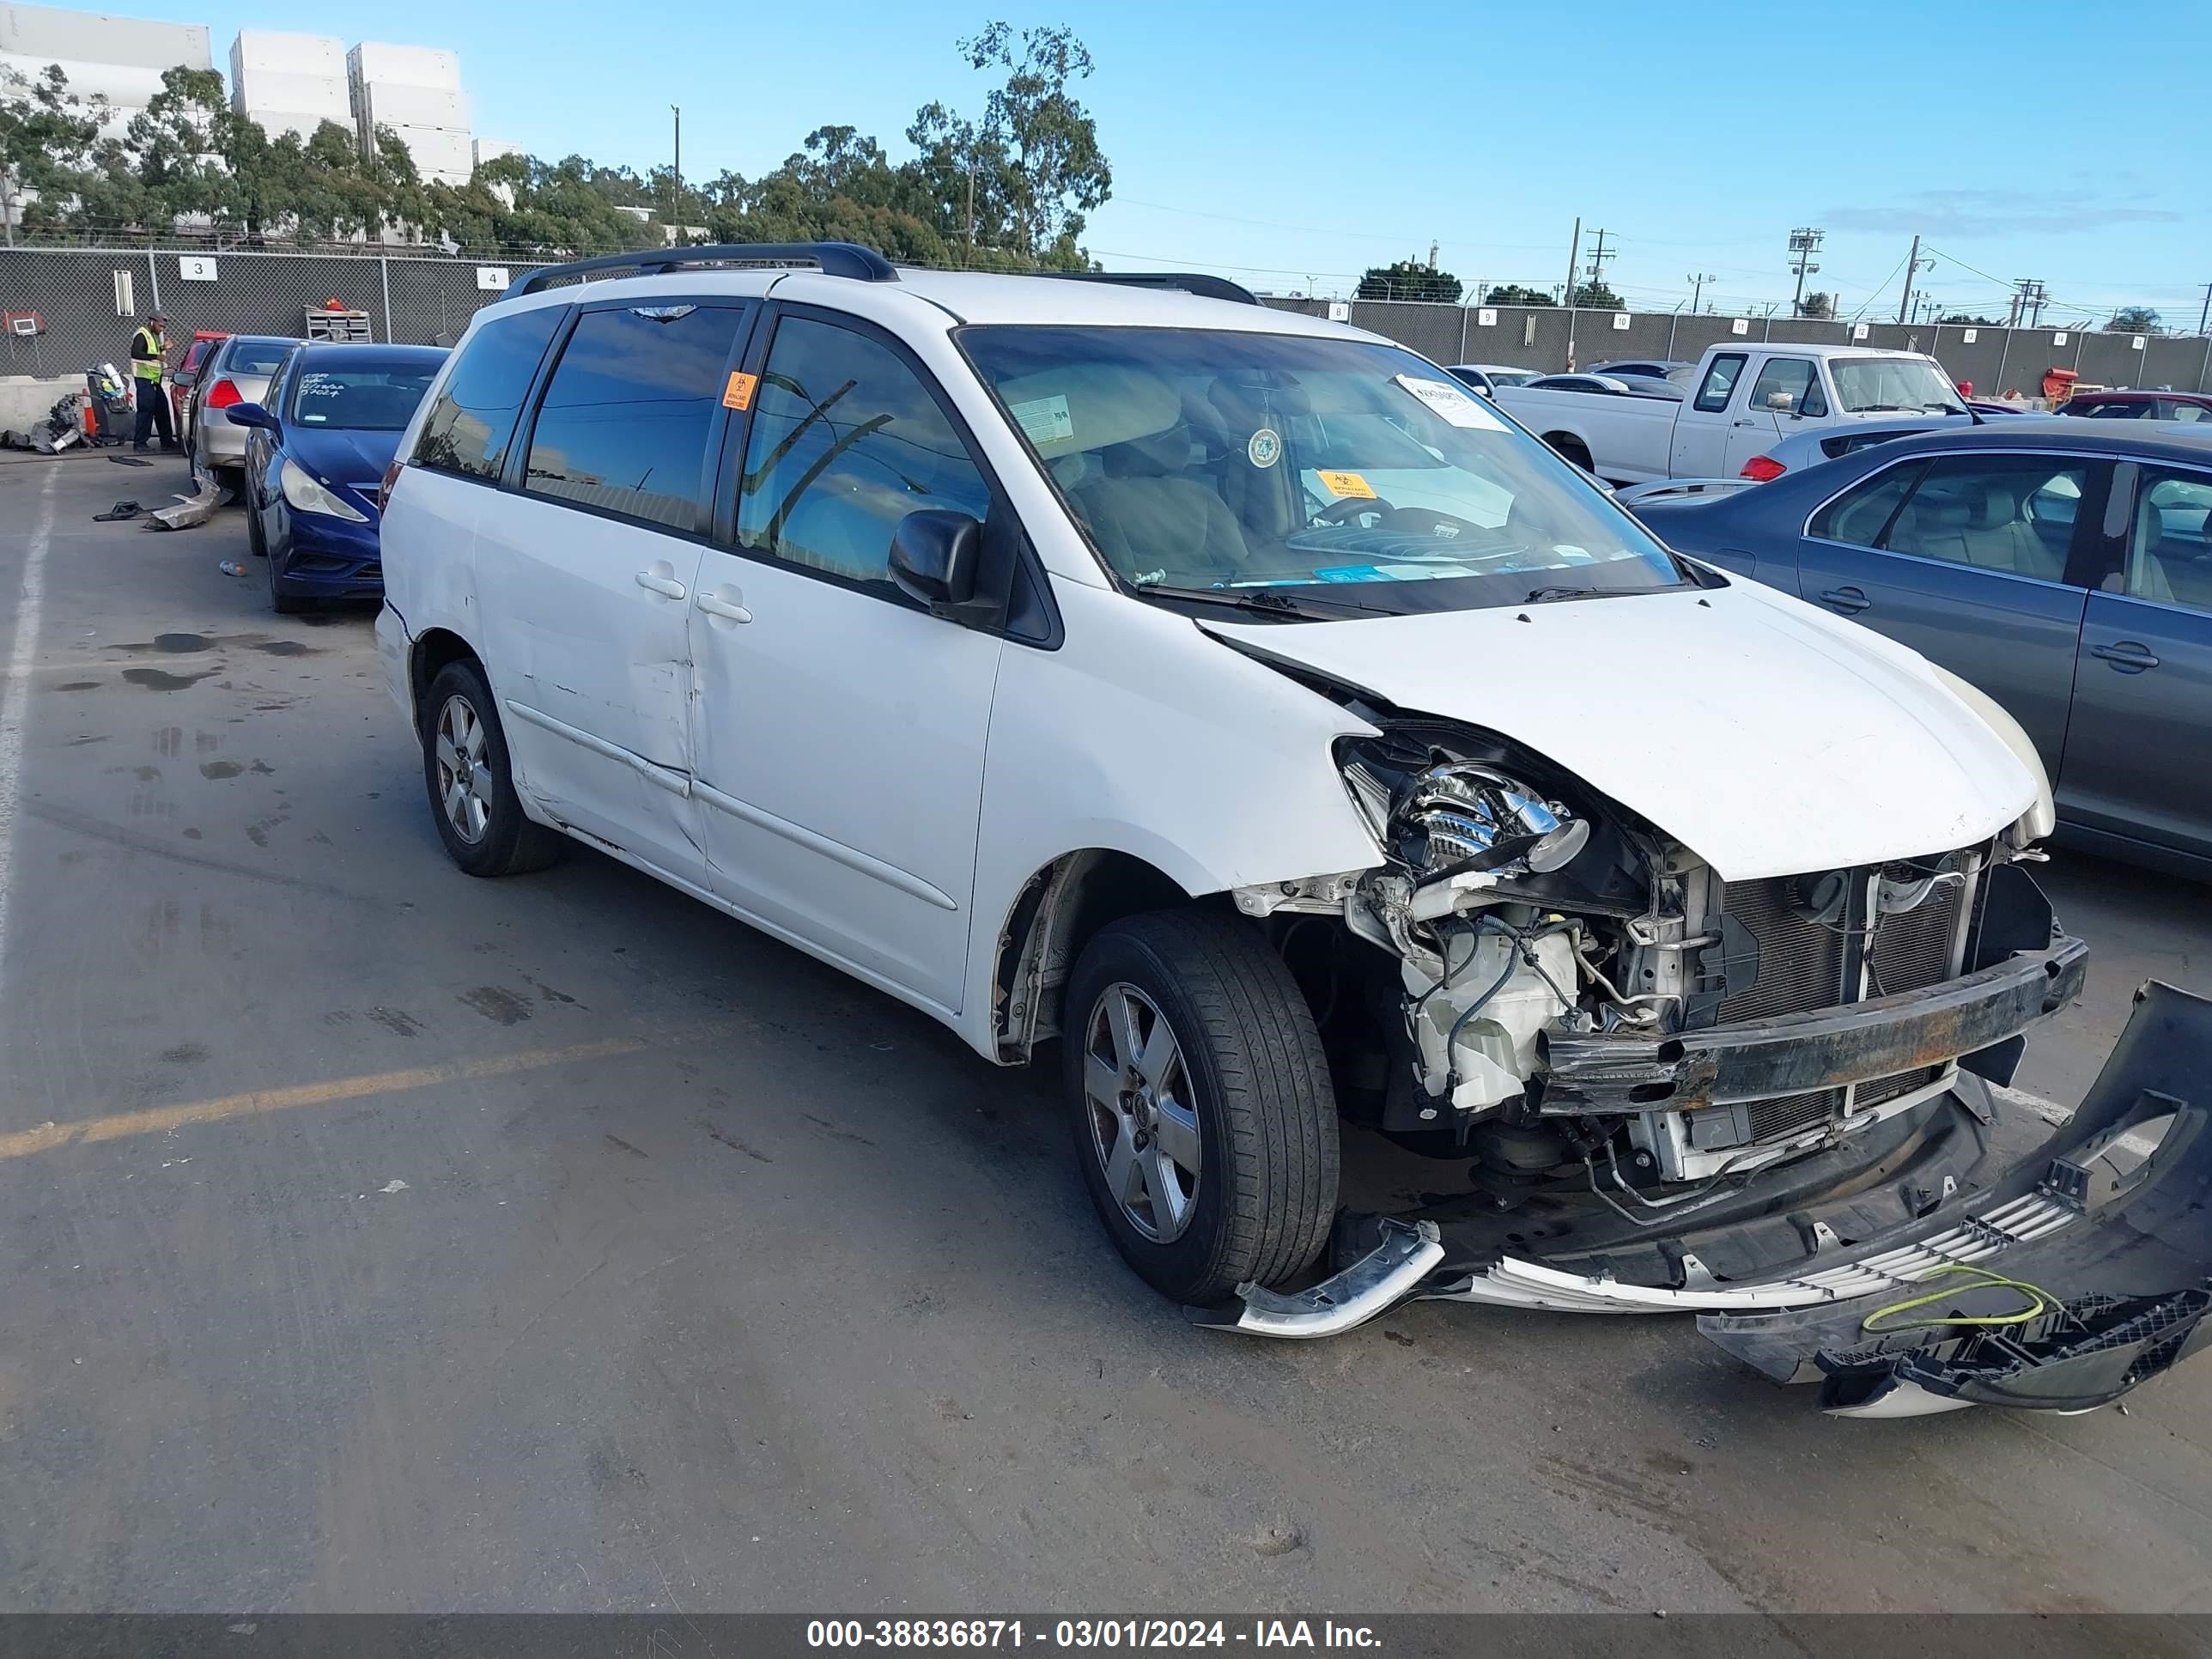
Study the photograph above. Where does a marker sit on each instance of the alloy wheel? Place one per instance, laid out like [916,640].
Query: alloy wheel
[465,785]
[1144,1121]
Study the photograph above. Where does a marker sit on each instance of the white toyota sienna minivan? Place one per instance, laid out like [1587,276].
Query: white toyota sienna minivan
[1231,697]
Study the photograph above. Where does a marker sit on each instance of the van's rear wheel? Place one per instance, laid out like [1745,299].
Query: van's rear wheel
[472,781]
[1201,1105]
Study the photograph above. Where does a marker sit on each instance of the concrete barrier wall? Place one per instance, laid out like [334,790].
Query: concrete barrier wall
[1995,360]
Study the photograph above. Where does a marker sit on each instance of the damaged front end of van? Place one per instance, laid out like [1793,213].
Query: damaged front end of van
[1779,1101]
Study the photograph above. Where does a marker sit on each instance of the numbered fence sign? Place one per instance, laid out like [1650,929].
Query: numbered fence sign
[194,269]
[493,279]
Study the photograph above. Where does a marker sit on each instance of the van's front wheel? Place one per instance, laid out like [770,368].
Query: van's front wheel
[1201,1104]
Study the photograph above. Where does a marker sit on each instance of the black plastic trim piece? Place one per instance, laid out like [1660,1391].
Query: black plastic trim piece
[862,264]
[1183,282]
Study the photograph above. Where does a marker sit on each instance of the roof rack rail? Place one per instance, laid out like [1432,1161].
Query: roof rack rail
[862,264]
[1185,282]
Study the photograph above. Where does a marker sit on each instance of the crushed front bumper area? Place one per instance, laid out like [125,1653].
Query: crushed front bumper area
[2056,1281]
[1880,1038]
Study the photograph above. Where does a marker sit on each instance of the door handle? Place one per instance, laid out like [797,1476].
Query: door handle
[654,582]
[716,606]
[1848,601]
[1746,423]
[2127,656]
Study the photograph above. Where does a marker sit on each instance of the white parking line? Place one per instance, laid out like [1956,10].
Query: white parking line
[14,698]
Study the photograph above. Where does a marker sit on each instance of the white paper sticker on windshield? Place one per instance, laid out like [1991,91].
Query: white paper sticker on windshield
[1460,408]
[1045,420]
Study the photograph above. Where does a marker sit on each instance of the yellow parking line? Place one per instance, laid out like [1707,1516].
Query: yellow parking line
[159,1120]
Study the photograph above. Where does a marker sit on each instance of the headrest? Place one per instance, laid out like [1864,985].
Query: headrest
[1991,505]
[1084,406]
[1942,512]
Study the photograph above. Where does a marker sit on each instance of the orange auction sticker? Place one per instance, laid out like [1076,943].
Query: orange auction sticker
[739,393]
[1344,484]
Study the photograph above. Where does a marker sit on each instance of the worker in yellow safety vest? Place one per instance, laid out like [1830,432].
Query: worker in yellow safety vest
[149,346]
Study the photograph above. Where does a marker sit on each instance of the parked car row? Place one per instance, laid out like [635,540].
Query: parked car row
[1741,400]
[304,431]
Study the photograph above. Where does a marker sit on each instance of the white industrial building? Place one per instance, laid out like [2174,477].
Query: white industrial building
[415,94]
[287,83]
[121,59]
[290,82]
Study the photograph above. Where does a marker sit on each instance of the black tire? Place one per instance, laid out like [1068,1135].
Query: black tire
[1265,1195]
[283,602]
[508,843]
[257,535]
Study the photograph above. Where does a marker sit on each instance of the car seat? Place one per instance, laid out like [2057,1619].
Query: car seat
[1999,538]
[2172,569]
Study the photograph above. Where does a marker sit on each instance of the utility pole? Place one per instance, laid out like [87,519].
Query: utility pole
[1574,253]
[2204,313]
[1697,281]
[2027,304]
[1804,242]
[1914,265]
[1598,257]
[676,206]
[970,259]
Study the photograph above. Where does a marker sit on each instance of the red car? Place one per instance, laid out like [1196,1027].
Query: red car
[2140,405]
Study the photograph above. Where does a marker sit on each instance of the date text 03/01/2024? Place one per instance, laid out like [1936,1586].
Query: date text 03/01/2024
[1087,1633]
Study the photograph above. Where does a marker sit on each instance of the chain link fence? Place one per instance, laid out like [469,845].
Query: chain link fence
[70,309]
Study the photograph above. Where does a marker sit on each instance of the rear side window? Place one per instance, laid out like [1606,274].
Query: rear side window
[1720,382]
[1860,514]
[256,356]
[623,427]
[469,426]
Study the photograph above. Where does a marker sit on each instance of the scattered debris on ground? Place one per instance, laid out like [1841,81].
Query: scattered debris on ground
[191,510]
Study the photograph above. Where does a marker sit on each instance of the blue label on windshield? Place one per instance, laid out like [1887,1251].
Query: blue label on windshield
[1350,573]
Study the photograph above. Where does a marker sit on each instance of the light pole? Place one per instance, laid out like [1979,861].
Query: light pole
[676,201]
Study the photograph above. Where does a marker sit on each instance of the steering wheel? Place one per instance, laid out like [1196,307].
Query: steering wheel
[1351,506]
[1419,521]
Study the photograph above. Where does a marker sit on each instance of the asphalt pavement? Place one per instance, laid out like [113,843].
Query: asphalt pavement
[404,1242]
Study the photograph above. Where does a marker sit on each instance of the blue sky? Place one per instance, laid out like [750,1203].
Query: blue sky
[1299,139]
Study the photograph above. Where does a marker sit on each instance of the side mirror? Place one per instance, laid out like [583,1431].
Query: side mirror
[1781,402]
[251,415]
[935,555]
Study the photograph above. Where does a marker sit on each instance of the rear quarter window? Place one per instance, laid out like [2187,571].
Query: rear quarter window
[256,356]
[471,422]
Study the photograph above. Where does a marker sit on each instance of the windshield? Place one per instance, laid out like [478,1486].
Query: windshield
[1310,475]
[1865,385]
[362,399]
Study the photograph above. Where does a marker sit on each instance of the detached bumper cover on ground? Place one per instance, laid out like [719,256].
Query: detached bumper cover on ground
[2058,1283]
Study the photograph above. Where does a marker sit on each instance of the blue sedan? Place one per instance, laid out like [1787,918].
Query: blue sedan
[2064,568]
[314,460]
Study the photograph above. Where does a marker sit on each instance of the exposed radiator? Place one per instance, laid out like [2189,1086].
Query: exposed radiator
[1805,964]
[1800,963]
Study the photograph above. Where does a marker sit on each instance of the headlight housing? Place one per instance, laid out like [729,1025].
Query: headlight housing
[2041,817]
[306,496]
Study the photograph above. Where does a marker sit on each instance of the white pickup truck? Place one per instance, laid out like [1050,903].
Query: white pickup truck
[1738,403]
